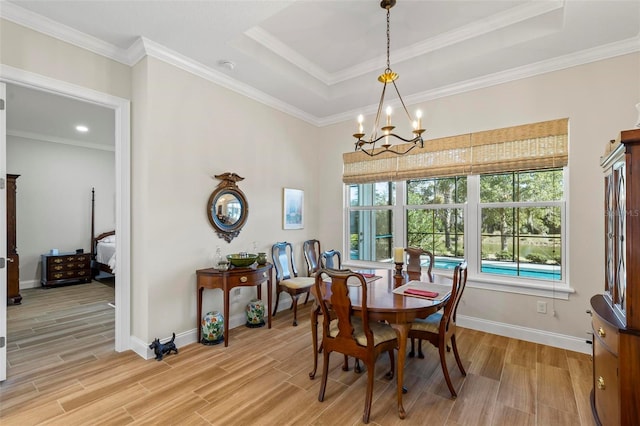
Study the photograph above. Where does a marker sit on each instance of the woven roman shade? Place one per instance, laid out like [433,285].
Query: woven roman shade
[527,147]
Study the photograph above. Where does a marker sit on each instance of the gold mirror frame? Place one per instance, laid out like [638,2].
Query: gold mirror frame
[227,208]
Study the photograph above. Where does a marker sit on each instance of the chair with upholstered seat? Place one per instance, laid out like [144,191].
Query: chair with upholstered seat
[414,263]
[331,259]
[287,278]
[348,334]
[311,250]
[440,328]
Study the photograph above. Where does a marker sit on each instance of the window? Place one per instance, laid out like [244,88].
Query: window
[509,225]
[371,221]
[493,197]
[521,224]
[435,217]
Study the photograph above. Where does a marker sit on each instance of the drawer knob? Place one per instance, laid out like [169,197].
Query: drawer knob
[601,332]
[601,385]
[243,279]
[57,260]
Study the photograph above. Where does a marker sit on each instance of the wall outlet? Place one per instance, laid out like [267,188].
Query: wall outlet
[541,307]
[236,292]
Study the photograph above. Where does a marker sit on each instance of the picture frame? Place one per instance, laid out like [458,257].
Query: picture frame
[292,208]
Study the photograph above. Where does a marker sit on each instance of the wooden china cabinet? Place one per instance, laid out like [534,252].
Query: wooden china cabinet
[615,398]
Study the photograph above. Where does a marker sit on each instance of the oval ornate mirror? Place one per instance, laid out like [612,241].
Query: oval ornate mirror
[228,208]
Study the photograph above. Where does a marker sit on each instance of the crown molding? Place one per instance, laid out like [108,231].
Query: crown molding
[611,50]
[63,141]
[26,18]
[143,47]
[185,63]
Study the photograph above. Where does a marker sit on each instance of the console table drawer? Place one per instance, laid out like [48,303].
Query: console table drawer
[248,278]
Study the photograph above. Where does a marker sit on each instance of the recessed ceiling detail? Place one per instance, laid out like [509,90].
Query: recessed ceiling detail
[316,59]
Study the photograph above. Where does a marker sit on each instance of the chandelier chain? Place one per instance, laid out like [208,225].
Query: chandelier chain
[388,40]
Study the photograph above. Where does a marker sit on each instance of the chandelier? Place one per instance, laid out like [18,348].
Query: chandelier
[369,146]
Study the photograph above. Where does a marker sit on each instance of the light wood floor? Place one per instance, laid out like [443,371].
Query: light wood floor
[63,370]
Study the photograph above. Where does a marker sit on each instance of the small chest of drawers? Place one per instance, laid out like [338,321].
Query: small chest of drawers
[65,268]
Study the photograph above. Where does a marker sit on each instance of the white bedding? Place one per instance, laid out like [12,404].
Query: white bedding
[106,253]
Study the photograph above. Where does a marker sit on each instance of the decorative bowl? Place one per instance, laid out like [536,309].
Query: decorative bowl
[223,266]
[242,259]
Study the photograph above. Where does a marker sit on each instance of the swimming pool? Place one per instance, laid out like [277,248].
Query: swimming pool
[543,272]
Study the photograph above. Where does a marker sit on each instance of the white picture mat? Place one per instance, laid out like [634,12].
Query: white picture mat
[443,290]
[292,208]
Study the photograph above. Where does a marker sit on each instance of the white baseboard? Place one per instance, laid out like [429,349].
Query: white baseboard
[501,329]
[191,336]
[29,284]
[562,341]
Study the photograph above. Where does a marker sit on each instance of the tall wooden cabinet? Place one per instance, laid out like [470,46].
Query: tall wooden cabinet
[615,398]
[13,260]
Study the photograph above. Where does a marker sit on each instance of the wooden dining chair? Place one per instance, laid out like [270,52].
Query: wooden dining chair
[414,263]
[440,328]
[414,272]
[287,278]
[350,335]
[311,250]
[331,259]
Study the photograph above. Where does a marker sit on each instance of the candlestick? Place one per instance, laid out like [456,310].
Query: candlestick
[398,273]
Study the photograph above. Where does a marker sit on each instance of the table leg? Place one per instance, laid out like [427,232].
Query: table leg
[403,332]
[226,315]
[199,316]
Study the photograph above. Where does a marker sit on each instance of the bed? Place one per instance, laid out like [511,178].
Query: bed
[103,246]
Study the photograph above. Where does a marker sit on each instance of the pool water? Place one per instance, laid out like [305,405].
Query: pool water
[543,272]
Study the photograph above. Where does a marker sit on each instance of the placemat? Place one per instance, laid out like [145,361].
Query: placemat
[442,290]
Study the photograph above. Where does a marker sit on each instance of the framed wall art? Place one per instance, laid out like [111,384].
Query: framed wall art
[293,209]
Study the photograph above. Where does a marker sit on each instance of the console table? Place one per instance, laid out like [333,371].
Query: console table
[227,280]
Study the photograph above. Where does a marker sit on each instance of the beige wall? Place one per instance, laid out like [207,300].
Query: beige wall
[598,99]
[186,129]
[32,51]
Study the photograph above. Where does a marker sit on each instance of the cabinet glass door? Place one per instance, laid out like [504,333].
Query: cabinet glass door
[621,215]
[610,233]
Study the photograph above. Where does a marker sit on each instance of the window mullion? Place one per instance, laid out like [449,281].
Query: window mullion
[400,215]
[472,221]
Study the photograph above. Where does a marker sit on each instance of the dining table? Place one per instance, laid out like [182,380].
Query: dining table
[383,305]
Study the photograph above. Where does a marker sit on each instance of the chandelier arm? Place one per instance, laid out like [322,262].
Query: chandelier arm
[372,152]
[374,131]
[402,102]
[412,140]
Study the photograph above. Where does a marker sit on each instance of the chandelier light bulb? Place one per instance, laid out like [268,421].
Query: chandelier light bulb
[419,117]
